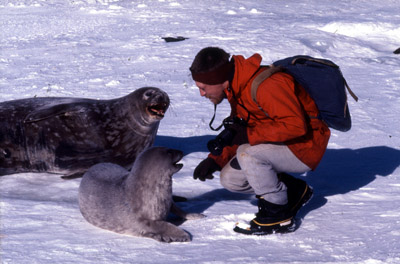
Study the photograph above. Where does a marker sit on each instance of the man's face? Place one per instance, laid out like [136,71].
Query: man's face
[215,93]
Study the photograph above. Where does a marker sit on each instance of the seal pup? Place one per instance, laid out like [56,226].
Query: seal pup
[137,202]
[69,135]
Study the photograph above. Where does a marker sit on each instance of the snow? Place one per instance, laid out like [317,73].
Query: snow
[107,48]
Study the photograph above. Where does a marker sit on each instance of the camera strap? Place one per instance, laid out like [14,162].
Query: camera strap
[212,120]
[237,101]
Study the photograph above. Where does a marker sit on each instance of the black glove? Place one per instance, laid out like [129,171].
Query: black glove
[205,169]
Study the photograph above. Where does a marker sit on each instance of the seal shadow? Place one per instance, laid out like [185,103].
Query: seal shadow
[202,202]
[340,171]
[185,144]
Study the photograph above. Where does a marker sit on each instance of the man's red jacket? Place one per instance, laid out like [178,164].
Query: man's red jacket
[288,106]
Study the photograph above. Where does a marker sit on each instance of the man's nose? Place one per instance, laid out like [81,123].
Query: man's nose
[202,92]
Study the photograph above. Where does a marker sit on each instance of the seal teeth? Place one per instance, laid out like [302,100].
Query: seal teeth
[158,109]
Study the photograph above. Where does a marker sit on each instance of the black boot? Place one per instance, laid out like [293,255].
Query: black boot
[274,218]
[298,191]
[271,218]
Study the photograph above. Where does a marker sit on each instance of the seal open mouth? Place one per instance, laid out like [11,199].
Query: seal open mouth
[177,155]
[158,109]
[178,166]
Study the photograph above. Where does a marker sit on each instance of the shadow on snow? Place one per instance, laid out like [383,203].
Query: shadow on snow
[345,170]
[340,171]
[185,144]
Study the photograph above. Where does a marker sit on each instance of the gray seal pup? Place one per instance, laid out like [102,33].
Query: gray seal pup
[137,202]
[69,135]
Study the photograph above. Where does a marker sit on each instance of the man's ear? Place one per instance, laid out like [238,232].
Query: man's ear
[225,84]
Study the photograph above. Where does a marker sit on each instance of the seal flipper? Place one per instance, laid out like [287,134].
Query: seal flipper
[159,230]
[66,157]
[47,112]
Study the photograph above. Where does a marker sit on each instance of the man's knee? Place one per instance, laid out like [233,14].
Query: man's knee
[225,176]
[241,154]
[233,179]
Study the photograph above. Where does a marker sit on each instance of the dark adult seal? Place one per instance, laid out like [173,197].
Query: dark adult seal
[137,202]
[68,135]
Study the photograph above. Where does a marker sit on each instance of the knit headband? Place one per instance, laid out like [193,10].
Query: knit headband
[216,76]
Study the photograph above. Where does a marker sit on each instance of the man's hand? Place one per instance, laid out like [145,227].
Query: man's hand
[205,169]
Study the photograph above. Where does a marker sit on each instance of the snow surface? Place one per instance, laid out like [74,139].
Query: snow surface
[106,49]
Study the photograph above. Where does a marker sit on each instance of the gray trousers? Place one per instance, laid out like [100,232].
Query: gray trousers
[257,174]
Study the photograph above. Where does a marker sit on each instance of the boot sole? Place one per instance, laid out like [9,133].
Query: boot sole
[287,226]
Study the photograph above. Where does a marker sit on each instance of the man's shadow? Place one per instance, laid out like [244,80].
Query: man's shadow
[345,170]
[340,171]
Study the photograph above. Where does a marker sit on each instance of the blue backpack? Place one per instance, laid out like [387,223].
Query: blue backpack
[323,81]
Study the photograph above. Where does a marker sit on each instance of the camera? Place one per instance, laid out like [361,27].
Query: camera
[225,138]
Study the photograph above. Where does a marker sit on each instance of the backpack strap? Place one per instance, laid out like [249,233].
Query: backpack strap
[350,91]
[262,77]
[271,69]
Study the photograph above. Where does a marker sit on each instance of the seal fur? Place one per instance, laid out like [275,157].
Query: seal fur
[68,135]
[137,202]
